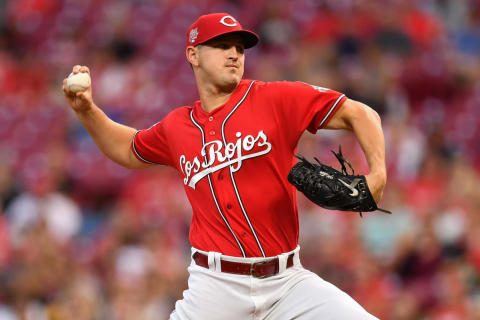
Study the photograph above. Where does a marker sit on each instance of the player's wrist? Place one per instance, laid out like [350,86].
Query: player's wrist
[379,177]
[85,110]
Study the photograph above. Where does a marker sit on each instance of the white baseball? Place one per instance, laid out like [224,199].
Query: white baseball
[78,82]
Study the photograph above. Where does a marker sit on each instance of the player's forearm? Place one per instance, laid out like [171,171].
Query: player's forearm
[112,138]
[367,126]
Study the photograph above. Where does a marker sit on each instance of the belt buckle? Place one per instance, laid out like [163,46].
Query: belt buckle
[254,274]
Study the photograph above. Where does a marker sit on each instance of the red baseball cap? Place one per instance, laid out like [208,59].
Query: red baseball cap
[213,25]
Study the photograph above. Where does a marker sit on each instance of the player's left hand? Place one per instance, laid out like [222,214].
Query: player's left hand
[376,182]
[338,190]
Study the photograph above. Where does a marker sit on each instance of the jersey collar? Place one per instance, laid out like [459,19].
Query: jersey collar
[222,111]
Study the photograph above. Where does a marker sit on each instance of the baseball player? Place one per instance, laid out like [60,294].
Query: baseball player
[234,149]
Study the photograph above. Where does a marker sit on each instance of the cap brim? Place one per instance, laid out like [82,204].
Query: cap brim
[250,38]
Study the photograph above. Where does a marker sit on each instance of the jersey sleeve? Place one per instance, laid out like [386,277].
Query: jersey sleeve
[151,145]
[307,107]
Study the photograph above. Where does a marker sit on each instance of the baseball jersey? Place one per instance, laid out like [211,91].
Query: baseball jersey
[234,162]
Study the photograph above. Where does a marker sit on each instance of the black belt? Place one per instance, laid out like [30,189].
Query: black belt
[260,269]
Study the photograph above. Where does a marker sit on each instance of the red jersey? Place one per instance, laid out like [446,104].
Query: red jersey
[235,160]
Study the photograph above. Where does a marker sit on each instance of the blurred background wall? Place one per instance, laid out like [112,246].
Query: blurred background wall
[82,238]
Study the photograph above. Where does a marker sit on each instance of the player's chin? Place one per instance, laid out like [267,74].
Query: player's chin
[231,81]
[235,78]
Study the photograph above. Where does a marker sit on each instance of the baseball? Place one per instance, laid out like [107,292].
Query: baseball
[78,82]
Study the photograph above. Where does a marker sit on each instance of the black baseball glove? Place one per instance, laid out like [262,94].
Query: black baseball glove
[332,189]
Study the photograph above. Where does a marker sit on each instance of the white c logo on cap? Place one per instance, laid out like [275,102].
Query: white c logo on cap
[234,24]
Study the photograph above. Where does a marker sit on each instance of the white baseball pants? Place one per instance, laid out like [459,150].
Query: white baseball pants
[293,293]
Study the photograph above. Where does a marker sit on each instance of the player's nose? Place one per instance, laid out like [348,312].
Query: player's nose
[233,53]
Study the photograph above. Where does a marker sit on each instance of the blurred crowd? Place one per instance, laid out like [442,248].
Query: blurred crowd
[82,238]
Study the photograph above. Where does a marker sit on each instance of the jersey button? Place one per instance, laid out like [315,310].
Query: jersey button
[220,177]
[229,206]
[210,118]
[212,133]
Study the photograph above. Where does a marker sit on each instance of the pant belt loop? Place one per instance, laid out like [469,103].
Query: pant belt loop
[218,264]
[282,262]
[296,257]
[192,252]
[211,260]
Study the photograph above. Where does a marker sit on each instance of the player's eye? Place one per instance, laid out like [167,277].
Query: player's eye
[226,46]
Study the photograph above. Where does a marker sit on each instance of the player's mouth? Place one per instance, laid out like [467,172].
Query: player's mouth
[232,66]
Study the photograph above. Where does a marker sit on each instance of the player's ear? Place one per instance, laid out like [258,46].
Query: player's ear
[192,55]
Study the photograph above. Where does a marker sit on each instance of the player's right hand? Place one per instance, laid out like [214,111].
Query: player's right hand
[79,101]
